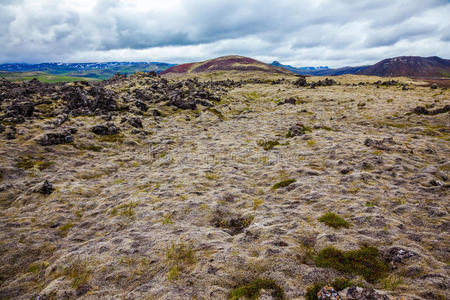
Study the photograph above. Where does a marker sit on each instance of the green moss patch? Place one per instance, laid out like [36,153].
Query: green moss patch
[366,262]
[283,183]
[333,220]
[64,229]
[268,145]
[252,290]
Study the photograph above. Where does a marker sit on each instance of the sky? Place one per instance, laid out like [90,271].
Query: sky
[331,33]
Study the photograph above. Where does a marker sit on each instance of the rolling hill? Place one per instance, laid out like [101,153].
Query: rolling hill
[414,66]
[226,63]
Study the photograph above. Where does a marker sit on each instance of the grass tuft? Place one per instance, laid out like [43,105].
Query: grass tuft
[268,145]
[365,262]
[78,272]
[252,290]
[333,220]
[178,257]
[283,183]
[64,229]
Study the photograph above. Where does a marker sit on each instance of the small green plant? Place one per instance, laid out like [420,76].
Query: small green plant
[25,163]
[124,210]
[283,183]
[167,220]
[64,229]
[87,147]
[113,138]
[392,282]
[268,145]
[257,203]
[353,190]
[178,258]
[211,176]
[365,262]
[311,291]
[217,113]
[311,142]
[77,271]
[42,165]
[252,289]
[333,220]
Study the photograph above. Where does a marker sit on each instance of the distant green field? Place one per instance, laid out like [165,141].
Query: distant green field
[42,76]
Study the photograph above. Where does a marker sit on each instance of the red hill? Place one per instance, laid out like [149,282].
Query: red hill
[413,66]
[227,63]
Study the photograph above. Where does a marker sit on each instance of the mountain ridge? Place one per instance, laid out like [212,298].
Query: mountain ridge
[415,66]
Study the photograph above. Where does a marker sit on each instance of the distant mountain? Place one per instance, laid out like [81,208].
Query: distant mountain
[102,70]
[414,66]
[299,69]
[227,63]
[320,71]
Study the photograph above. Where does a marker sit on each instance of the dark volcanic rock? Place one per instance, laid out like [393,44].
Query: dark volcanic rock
[358,293]
[135,122]
[18,111]
[105,129]
[301,81]
[10,133]
[46,188]
[291,100]
[379,144]
[420,110]
[56,138]
[397,255]
[297,130]
[88,99]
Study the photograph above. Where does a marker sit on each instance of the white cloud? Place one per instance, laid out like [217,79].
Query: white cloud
[326,32]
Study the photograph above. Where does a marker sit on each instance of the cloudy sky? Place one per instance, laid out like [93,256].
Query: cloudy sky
[297,32]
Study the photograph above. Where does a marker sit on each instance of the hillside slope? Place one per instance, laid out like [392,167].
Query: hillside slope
[227,63]
[410,66]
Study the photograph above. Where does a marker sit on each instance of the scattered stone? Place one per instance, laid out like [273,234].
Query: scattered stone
[135,122]
[379,144]
[141,105]
[346,170]
[328,293]
[56,138]
[297,130]
[397,255]
[291,100]
[10,132]
[46,188]
[105,129]
[301,81]
[420,110]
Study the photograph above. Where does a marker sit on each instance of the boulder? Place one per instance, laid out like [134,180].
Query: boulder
[55,138]
[105,129]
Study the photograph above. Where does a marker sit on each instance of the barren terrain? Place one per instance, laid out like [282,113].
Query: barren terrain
[210,196]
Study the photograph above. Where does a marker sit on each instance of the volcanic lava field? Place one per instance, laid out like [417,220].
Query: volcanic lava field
[224,187]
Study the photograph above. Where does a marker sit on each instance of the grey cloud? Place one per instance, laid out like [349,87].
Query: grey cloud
[287,30]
